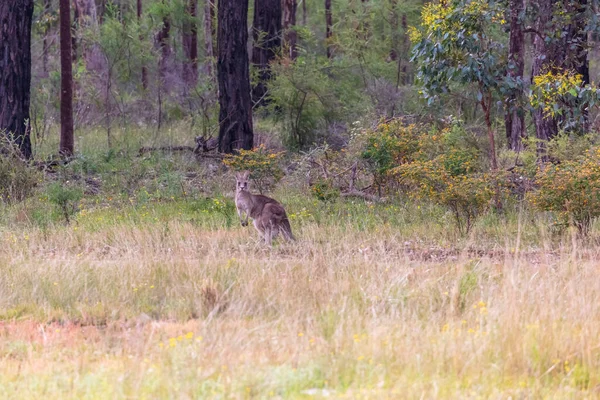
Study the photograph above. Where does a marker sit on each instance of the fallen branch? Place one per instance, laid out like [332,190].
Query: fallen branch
[363,195]
[144,150]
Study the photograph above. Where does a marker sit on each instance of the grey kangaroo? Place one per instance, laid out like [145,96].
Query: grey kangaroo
[267,214]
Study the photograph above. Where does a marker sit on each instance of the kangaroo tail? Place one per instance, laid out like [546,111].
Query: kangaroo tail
[287,229]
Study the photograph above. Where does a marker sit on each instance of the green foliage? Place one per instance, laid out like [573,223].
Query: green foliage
[224,207]
[309,94]
[467,196]
[262,164]
[457,42]
[560,92]
[324,190]
[65,198]
[571,189]
[390,144]
[17,180]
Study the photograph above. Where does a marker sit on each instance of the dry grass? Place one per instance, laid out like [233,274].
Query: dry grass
[177,311]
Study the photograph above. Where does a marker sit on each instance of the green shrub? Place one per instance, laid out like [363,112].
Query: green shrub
[324,190]
[571,189]
[65,199]
[452,181]
[17,180]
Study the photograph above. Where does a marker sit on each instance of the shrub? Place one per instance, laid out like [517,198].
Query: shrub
[571,189]
[309,94]
[324,190]
[17,179]
[450,181]
[262,164]
[65,199]
[390,144]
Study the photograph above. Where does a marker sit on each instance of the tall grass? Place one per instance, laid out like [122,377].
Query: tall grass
[154,293]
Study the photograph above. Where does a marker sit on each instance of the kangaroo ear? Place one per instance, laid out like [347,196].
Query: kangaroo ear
[246,175]
[238,176]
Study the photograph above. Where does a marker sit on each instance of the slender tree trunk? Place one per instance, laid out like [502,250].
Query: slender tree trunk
[190,44]
[267,43]
[328,27]
[304,13]
[515,118]
[209,34]
[235,116]
[144,68]
[406,76]
[66,82]
[395,45]
[87,13]
[290,36]
[165,47]
[545,55]
[163,38]
[15,66]
[577,53]
[74,32]
[486,104]
[45,43]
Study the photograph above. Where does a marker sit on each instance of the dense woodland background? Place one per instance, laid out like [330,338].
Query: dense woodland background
[507,86]
[438,162]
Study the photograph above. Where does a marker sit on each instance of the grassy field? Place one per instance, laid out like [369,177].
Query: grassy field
[155,291]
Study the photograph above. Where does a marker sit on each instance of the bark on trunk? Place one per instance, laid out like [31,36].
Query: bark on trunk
[235,116]
[406,77]
[190,44]
[165,48]
[267,43]
[66,81]
[144,68]
[45,42]
[304,12]
[328,25]
[87,12]
[515,118]
[209,34]
[290,36]
[577,47]
[15,66]
[394,28]
[486,104]
[545,56]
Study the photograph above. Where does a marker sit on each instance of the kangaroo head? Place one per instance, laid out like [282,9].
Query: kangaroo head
[242,181]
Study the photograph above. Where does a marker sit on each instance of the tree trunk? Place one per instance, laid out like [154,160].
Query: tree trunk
[144,68]
[514,117]
[394,28]
[545,55]
[190,44]
[406,50]
[328,25]
[45,43]
[209,34]
[290,36]
[66,81]
[87,13]
[267,43]
[576,46]
[235,116]
[304,12]
[15,64]
[165,48]
[486,104]
[74,30]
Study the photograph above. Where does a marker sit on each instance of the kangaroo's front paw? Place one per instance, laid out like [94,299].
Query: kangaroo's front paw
[244,223]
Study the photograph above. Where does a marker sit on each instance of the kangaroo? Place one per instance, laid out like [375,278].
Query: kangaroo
[268,215]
